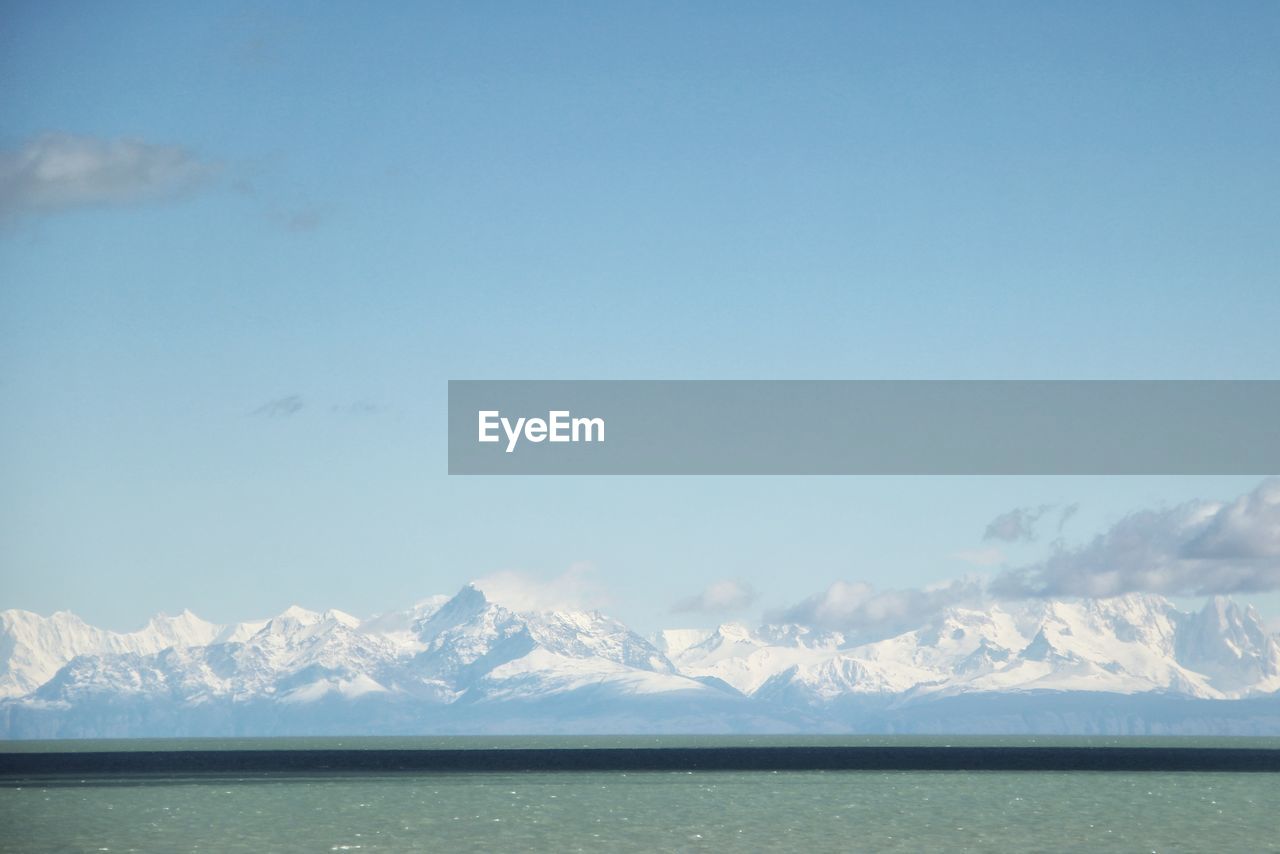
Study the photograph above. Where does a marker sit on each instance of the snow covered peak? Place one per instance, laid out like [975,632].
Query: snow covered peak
[471,631]
[1239,628]
[401,623]
[733,633]
[401,627]
[1042,649]
[186,629]
[473,605]
[33,648]
[1230,645]
[296,615]
[1136,608]
[1124,644]
[672,642]
[292,624]
[341,617]
[297,627]
[240,632]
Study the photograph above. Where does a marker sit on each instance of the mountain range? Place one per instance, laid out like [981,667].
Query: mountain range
[474,663]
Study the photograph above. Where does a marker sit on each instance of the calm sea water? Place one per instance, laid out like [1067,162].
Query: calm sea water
[741,811]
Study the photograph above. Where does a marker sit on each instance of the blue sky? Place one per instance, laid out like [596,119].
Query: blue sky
[352,205]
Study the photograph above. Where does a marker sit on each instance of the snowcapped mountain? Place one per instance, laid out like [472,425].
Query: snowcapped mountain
[1125,645]
[1231,648]
[475,662]
[33,648]
[472,644]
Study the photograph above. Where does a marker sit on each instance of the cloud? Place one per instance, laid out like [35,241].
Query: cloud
[59,171]
[575,589]
[1018,525]
[292,404]
[1199,548]
[718,597]
[281,407]
[858,609]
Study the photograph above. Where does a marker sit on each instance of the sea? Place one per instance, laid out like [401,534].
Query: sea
[803,811]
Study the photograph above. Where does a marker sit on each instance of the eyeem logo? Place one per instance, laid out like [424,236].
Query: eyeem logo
[558,426]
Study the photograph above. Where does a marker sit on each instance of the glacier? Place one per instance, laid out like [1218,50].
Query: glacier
[476,663]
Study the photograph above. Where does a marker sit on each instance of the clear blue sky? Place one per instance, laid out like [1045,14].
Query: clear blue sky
[393,195]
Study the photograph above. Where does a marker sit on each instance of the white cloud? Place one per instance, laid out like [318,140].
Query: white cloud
[1199,548]
[59,171]
[719,597]
[573,590]
[857,608]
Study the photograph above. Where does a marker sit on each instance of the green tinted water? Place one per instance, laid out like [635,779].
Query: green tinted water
[895,811]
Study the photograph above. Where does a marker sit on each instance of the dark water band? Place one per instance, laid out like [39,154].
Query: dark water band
[89,764]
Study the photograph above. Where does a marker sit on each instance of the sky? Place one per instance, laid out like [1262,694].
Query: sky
[243,247]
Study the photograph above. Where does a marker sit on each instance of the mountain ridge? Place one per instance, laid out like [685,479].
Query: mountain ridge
[449,663]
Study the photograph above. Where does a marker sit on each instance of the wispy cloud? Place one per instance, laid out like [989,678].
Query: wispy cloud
[1021,524]
[281,407]
[576,589]
[291,404]
[59,172]
[718,597]
[857,608]
[1198,548]
[1018,525]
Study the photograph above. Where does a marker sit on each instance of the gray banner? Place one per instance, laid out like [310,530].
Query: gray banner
[863,427]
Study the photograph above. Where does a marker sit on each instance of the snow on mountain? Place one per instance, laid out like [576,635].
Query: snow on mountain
[298,655]
[33,648]
[1127,644]
[478,659]
[437,652]
[746,658]
[1231,647]
[239,632]
[475,644]
[1122,645]
[399,626]
[672,642]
